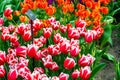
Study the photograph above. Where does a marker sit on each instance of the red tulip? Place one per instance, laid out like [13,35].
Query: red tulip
[52,19]
[63,29]
[21,51]
[5,36]
[73,33]
[89,36]
[65,47]
[15,44]
[85,73]
[54,66]
[47,32]
[57,38]
[32,50]
[54,50]
[74,51]
[12,75]
[11,28]
[75,74]
[21,29]
[8,12]
[37,24]
[63,76]
[39,69]
[80,23]
[42,39]
[26,36]
[55,25]
[69,63]
[2,58]
[2,71]
[86,60]
[13,38]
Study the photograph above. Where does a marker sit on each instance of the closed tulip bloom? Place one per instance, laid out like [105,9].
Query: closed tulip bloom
[63,76]
[69,63]
[32,50]
[26,36]
[86,60]
[74,51]
[85,73]
[75,74]
[21,51]
[73,33]
[47,32]
[37,24]
[8,12]
[2,71]
[12,75]
[2,58]
[89,37]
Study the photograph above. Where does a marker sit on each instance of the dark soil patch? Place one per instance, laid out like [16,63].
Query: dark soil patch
[108,72]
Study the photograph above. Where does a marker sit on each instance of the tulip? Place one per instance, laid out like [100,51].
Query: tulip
[65,47]
[89,36]
[8,12]
[47,32]
[26,36]
[12,75]
[2,58]
[37,24]
[75,50]
[63,76]
[75,74]
[21,29]
[2,71]
[54,66]
[5,36]
[32,50]
[21,51]
[73,33]
[63,28]
[86,60]
[85,73]
[57,38]
[55,25]
[69,63]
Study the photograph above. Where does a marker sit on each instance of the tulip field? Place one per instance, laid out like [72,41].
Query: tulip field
[57,39]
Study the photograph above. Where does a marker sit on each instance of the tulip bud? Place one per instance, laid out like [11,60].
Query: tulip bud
[75,74]
[26,36]
[73,33]
[12,75]
[2,71]
[32,50]
[69,63]
[47,32]
[86,60]
[75,50]
[85,73]
[37,24]
[63,76]
[2,58]
[21,51]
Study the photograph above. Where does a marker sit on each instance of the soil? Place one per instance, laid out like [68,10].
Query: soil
[108,72]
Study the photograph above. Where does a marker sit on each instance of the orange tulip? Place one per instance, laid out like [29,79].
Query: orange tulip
[16,13]
[104,10]
[50,10]
[23,18]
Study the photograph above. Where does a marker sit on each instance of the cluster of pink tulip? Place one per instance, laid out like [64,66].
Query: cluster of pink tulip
[17,55]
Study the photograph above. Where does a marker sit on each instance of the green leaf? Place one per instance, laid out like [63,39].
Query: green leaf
[108,57]
[97,69]
[106,35]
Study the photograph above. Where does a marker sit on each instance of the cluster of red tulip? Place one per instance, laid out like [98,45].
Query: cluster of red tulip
[51,39]
[16,55]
